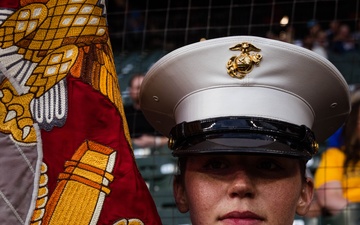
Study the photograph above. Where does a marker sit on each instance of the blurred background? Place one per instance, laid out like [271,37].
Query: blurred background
[142,31]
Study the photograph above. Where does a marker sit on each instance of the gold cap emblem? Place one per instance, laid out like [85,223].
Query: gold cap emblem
[239,66]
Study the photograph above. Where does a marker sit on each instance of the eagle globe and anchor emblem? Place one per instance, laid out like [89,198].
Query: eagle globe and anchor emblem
[239,66]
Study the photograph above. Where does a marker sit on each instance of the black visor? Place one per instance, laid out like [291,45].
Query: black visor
[242,135]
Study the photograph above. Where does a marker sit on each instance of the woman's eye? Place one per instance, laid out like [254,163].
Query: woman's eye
[268,165]
[215,165]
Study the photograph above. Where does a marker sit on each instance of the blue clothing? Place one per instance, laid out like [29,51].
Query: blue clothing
[335,140]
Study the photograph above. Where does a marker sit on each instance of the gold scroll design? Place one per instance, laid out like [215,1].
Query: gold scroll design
[239,66]
[60,37]
[81,188]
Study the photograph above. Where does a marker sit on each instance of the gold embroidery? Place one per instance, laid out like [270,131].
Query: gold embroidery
[42,197]
[51,69]
[64,37]
[60,38]
[22,23]
[15,116]
[129,222]
[87,174]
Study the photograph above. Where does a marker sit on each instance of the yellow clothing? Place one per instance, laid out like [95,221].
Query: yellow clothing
[331,169]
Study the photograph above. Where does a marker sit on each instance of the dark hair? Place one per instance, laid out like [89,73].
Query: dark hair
[351,145]
[181,164]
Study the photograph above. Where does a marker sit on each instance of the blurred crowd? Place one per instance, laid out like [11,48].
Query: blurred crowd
[337,37]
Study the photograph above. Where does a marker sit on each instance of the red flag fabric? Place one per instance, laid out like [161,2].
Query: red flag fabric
[65,147]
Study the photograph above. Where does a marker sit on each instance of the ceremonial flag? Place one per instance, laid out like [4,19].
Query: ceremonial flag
[65,152]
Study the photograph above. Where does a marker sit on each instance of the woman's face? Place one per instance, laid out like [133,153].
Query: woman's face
[135,88]
[240,189]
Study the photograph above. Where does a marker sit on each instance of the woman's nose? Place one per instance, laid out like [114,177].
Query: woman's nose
[241,185]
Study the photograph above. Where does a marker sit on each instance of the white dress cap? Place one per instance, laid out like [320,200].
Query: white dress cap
[245,76]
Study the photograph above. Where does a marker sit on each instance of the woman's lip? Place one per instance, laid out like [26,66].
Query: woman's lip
[242,215]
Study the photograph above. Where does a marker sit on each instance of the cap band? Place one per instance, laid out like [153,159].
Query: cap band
[242,135]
